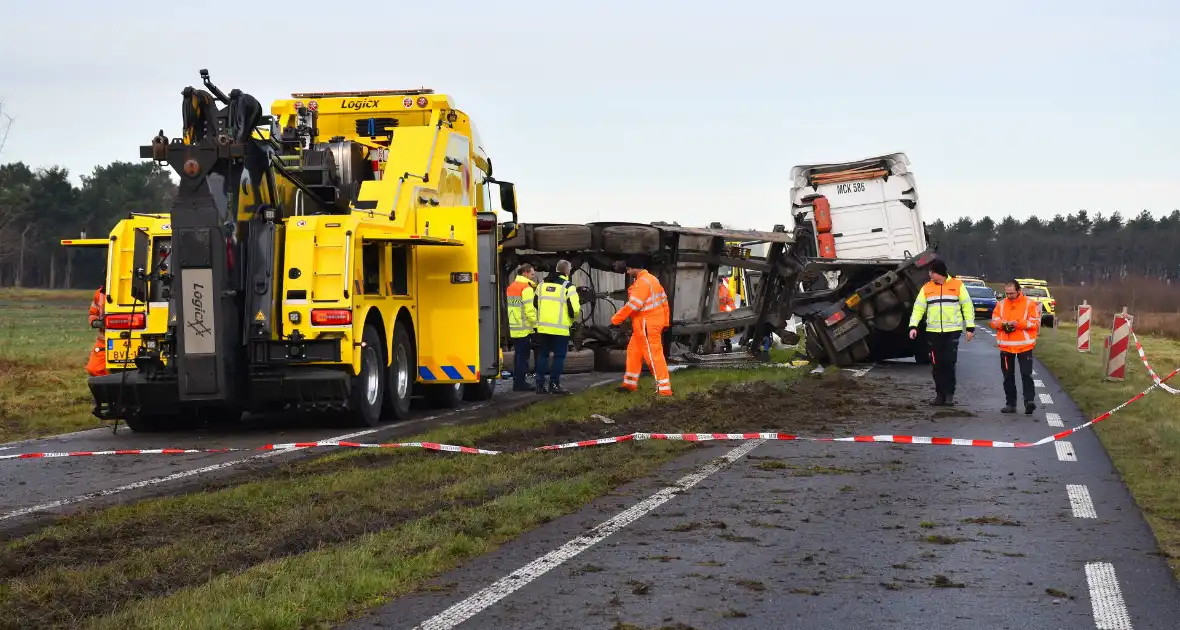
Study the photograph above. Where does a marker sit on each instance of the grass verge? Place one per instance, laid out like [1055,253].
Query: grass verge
[1143,439]
[44,344]
[316,541]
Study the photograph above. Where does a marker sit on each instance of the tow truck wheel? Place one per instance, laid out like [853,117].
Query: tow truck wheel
[368,387]
[443,396]
[481,391]
[399,387]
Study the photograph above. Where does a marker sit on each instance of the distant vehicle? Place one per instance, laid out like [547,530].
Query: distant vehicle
[983,298]
[1039,291]
[972,281]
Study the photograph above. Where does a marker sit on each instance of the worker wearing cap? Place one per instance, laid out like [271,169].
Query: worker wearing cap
[557,309]
[647,307]
[947,308]
[97,364]
[1016,318]
[522,322]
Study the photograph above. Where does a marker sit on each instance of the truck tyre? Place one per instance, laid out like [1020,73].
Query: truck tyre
[578,362]
[630,239]
[443,396]
[143,422]
[481,391]
[399,385]
[561,238]
[368,387]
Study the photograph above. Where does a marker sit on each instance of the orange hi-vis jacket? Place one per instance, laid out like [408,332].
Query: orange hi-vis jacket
[727,303]
[96,365]
[1026,312]
[646,302]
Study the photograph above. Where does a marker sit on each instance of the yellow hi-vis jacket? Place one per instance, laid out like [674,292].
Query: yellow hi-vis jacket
[947,307]
[522,310]
[557,306]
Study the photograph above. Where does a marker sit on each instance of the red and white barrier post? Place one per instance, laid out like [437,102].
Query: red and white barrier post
[1084,327]
[1120,342]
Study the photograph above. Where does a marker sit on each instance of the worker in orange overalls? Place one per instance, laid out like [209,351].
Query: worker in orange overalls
[647,306]
[1017,319]
[97,364]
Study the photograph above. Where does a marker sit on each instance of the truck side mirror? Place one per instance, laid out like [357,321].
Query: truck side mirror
[140,263]
[508,197]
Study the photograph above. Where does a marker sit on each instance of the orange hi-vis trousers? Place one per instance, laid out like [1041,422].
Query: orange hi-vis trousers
[647,345]
[96,365]
[647,306]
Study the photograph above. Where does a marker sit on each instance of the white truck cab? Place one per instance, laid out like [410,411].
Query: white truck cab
[862,210]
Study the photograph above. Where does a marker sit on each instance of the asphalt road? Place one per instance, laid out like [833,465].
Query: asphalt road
[35,489]
[878,537]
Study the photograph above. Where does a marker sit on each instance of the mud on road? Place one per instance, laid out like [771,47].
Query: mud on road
[811,406]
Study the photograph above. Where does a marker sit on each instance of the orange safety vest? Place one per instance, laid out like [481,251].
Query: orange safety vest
[1026,312]
[647,299]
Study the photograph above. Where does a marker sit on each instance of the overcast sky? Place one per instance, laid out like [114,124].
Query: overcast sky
[649,111]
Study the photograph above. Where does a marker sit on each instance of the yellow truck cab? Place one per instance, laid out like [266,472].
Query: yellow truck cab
[126,320]
[1039,291]
[340,254]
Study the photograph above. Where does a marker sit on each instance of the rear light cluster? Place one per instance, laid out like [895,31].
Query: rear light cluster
[832,319]
[331,317]
[125,321]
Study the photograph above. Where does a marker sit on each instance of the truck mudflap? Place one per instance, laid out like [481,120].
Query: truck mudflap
[842,326]
[304,388]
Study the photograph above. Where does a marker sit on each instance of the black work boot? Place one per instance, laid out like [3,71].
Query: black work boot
[541,386]
[557,389]
[950,400]
[1009,408]
[1028,407]
[938,401]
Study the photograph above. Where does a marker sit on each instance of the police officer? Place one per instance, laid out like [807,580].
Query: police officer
[948,309]
[558,307]
[522,322]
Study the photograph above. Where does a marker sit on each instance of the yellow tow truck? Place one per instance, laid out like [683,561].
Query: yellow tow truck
[339,254]
[1039,290]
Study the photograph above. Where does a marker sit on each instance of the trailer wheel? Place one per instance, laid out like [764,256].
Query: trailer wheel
[399,386]
[443,396]
[368,387]
[561,238]
[630,239]
[481,391]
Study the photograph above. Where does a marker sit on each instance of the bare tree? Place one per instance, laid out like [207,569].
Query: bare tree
[5,124]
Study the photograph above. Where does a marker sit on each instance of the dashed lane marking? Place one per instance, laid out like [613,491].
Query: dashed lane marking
[1046,399]
[1080,501]
[509,584]
[1038,383]
[1054,420]
[1065,452]
[1106,599]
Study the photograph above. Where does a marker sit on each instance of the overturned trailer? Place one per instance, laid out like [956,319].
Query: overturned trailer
[853,320]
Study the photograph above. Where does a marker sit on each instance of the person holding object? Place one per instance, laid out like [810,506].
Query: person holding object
[947,308]
[97,364]
[647,307]
[558,307]
[1017,319]
[522,322]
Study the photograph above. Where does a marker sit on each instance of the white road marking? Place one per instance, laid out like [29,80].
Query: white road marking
[4,448]
[1065,452]
[215,467]
[1034,372]
[1080,502]
[1038,383]
[137,485]
[1106,599]
[505,586]
[1054,420]
[1046,399]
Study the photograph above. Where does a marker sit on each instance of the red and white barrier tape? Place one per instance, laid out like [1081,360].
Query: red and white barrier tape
[1154,376]
[687,437]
